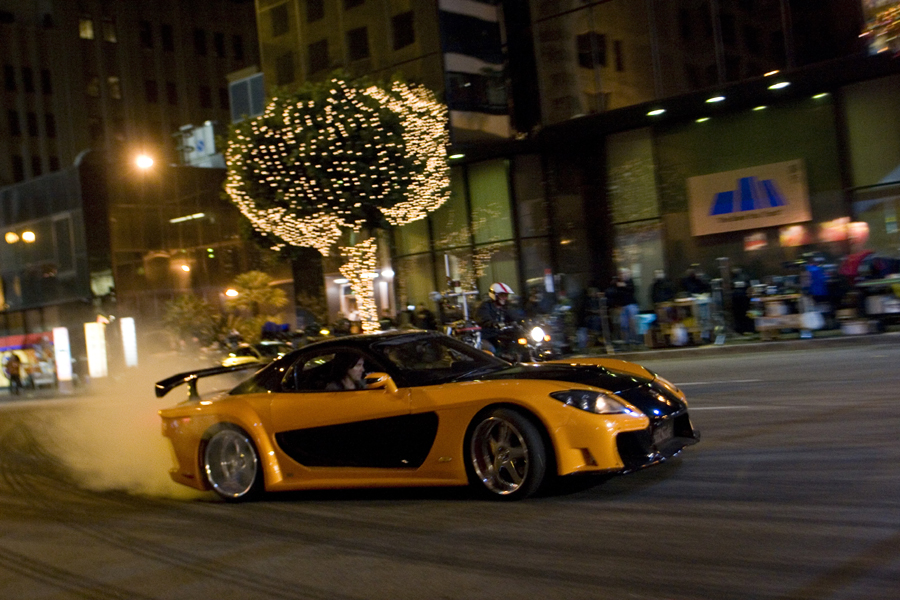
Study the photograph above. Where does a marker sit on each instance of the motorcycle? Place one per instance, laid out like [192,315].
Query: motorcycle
[519,342]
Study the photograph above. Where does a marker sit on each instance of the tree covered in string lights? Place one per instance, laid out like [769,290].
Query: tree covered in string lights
[339,156]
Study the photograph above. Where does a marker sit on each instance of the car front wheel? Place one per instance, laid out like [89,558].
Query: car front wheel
[232,465]
[507,456]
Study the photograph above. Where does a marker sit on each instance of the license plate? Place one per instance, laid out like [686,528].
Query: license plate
[663,432]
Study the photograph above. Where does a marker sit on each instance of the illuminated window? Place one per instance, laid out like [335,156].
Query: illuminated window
[115,88]
[93,87]
[86,29]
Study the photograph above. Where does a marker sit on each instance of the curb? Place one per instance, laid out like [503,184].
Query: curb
[841,341]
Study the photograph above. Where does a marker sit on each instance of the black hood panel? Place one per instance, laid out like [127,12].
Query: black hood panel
[648,396]
[600,377]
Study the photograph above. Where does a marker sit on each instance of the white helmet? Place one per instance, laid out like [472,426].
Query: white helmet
[499,288]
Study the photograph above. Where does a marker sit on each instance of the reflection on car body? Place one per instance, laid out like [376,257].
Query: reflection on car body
[436,412]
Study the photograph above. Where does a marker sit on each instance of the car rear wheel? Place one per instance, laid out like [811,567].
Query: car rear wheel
[232,465]
[507,455]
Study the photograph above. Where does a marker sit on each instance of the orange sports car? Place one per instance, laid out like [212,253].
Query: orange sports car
[433,412]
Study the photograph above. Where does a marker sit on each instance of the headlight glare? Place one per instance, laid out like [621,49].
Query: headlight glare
[537,334]
[595,402]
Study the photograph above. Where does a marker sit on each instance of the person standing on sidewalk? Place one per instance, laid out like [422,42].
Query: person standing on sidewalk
[13,369]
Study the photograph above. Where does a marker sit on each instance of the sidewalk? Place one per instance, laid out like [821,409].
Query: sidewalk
[737,344]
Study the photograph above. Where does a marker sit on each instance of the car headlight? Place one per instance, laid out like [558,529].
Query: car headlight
[595,402]
[537,334]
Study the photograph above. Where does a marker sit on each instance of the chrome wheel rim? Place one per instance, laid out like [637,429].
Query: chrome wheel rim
[231,463]
[499,455]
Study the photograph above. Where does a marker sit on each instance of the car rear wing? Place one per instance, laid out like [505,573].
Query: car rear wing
[191,377]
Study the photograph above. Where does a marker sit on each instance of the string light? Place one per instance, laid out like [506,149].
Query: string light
[361,261]
[316,163]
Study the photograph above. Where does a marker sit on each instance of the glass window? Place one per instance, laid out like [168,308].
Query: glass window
[50,125]
[450,221]
[284,69]
[28,79]
[315,10]
[36,166]
[32,120]
[237,46]
[145,34]
[318,56]
[496,262]
[412,238]
[9,78]
[151,91]
[46,82]
[415,279]
[528,182]
[115,88]
[93,87]
[86,28]
[402,27]
[109,31]
[13,120]
[167,37]
[205,97]
[489,188]
[353,3]
[200,42]
[358,43]
[219,44]
[171,93]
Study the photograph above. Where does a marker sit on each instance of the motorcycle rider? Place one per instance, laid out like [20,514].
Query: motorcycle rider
[493,315]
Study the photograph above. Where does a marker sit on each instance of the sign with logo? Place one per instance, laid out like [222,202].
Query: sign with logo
[751,198]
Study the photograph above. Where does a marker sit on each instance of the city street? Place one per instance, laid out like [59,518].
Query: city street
[793,493]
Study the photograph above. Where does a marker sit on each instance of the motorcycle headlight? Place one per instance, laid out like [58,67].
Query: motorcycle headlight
[537,334]
[595,402]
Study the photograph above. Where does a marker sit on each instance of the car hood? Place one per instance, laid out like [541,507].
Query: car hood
[644,393]
[595,376]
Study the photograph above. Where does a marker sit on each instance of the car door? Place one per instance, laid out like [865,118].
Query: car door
[346,428]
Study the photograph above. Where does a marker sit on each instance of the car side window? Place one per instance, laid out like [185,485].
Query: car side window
[309,373]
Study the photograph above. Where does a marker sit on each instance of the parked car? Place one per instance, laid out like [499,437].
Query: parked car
[263,352]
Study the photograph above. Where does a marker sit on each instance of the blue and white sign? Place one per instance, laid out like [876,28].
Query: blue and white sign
[751,198]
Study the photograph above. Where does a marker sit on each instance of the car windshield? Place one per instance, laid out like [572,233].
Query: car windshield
[435,359]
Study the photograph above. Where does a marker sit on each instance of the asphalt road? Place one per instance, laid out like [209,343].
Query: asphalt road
[793,493]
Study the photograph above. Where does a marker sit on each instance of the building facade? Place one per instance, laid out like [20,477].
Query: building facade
[117,76]
[615,109]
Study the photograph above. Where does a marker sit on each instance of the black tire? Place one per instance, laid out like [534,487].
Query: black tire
[231,464]
[506,455]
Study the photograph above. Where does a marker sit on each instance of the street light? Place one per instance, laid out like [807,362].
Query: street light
[231,292]
[28,237]
[143,161]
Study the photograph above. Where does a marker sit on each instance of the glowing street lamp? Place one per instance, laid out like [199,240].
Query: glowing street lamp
[28,237]
[144,161]
[231,293]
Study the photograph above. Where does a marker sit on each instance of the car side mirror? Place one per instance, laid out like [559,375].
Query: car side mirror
[379,381]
